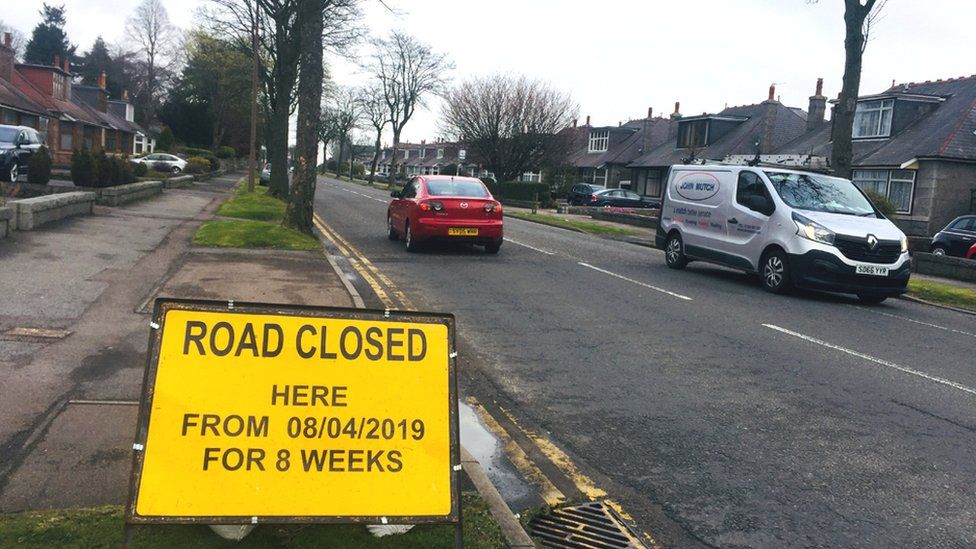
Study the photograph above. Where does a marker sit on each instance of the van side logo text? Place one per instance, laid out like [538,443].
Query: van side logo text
[697,186]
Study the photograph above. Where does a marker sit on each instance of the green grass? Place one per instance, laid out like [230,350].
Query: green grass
[943,294]
[252,234]
[256,206]
[102,527]
[583,226]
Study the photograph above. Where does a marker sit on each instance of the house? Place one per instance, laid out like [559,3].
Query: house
[142,141]
[915,144]
[431,159]
[742,130]
[16,108]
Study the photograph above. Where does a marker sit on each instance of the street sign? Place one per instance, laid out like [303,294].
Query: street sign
[462,154]
[273,413]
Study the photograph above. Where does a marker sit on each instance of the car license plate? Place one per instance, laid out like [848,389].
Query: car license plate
[872,270]
[453,231]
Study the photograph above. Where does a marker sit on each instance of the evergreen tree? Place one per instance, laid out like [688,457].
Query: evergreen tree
[93,62]
[49,38]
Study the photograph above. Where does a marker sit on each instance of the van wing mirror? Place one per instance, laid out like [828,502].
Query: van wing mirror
[759,203]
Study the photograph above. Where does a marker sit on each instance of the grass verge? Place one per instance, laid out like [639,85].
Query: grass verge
[257,206]
[252,234]
[102,527]
[943,294]
[582,226]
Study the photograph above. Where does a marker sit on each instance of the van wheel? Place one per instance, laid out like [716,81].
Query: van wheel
[674,254]
[871,299]
[775,272]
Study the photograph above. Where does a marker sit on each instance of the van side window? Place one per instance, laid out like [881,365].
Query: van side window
[751,193]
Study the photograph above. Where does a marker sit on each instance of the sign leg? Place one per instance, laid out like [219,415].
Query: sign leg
[127,533]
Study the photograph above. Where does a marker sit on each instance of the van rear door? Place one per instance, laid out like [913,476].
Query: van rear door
[700,199]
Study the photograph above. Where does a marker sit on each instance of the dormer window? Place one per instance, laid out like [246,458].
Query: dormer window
[873,118]
[423,153]
[599,140]
[693,133]
[440,153]
[406,154]
[59,83]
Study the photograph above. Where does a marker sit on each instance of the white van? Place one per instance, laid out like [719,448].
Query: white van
[793,228]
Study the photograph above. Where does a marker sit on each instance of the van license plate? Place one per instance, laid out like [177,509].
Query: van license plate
[872,270]
[462,232]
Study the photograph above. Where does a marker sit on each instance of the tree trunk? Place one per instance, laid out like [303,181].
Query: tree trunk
[278,153]
[393,161]
[298,215]
[376,157]
[342,153]
[842,153]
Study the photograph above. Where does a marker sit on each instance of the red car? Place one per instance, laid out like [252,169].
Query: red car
[445,208]
[971,254]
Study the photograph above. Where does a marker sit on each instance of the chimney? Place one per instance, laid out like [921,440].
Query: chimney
[587,120]
[57,61]
[67,66]
[101,80]
[817,108]
[6,59]
[677,111]
[8,40]
[650,112]
[574,122]
[125,95]
[772,92]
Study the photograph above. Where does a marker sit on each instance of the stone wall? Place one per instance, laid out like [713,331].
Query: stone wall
[956,268]
[34,212]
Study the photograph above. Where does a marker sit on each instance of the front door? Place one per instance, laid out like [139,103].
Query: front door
[748,216]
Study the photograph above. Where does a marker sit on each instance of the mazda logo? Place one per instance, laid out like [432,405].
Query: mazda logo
[463,204]
[872,241]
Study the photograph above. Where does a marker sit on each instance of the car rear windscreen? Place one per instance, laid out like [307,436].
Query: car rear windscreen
[456,188]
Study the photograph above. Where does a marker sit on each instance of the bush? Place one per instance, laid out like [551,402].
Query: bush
[139,169]
[515,190]
[881,202]
[213,160]
[196,165]
[166,139]
[226,152]
[82,168]
[39,167]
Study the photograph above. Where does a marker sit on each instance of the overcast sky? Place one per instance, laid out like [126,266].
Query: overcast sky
[619,57]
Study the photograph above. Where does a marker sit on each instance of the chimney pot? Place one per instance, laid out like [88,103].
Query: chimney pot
[587,120]
[574,122]
[67,66]
[57,61]
[677,107]
[819,87]
[772,92]
[817,109]
[650,112]
[125,95]
[101,80]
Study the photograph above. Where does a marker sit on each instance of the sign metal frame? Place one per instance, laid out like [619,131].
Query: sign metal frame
[163,305]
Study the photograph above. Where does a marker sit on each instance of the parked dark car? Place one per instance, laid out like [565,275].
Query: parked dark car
[581,193]
[956,238]
[622,198]
[17,145]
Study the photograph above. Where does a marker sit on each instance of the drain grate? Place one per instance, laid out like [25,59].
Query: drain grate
[591,525]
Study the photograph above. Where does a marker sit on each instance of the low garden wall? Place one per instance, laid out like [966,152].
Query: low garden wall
[34,212]
[177,182]
[956,268]
[123,194]
[627,218]
[7,221]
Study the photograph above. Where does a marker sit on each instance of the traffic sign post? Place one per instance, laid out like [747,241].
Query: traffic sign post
[256,413]
[461,156]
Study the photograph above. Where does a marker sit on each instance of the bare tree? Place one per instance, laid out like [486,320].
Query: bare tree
[510,122]
[408,72]
[18,40]
[374,112]
[157,40]
[859,15]
[346,113]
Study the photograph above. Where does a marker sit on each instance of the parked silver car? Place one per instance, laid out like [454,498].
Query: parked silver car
[162,162]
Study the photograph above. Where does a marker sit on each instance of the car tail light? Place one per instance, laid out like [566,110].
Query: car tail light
[435,206]
[592,198]
[493,207]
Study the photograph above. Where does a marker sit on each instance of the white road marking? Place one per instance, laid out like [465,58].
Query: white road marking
[639,283]
[929,324]
[361,194]
[876,360]
[541,251]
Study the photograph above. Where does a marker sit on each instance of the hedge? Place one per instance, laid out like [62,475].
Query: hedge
[515,190]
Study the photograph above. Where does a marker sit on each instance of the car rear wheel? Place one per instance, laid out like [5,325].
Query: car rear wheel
[493,247]
[871,299]
[939,250]
[175,170]
[674,254]
[776,272]
[412,245]
[390,231]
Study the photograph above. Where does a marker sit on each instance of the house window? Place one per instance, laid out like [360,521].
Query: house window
[649,183]
[110,141]
[531,177]
[436,170]
[692,134]
[873,118]
[599,141]
[897,186]
[67,136]
[440,153]
[406,154]
[58,90]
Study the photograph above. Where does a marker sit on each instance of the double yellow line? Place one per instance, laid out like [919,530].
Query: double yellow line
[393,298]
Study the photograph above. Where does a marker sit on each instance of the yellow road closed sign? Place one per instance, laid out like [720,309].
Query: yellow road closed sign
[271,413]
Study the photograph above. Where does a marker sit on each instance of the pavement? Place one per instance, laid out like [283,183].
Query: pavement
[709,411]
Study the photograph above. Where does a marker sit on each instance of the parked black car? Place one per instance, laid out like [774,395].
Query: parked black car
[581,193]
[622,198]
[956,238]
[17,145]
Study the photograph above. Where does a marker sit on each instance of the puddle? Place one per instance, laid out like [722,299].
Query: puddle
[487,449]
